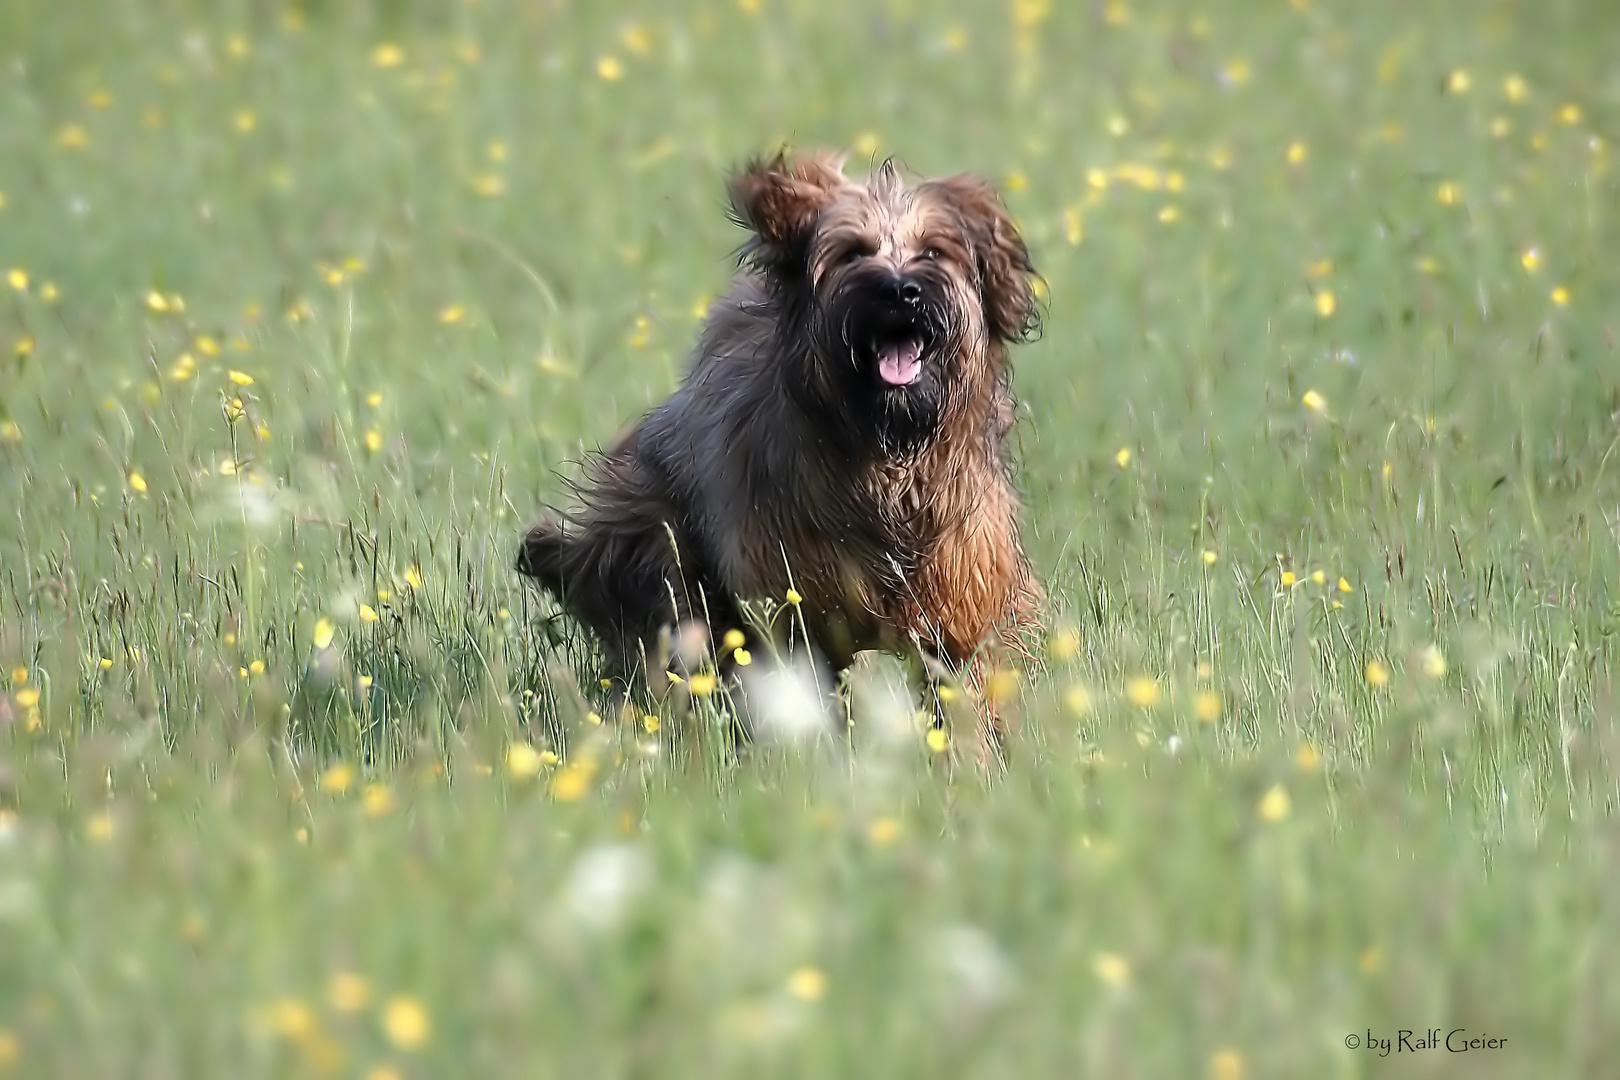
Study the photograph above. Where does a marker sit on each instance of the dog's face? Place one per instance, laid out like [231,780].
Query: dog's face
[903,292]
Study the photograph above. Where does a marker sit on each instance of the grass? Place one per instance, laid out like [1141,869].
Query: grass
[309,307]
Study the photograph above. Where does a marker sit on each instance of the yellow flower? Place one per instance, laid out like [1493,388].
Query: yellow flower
[1237,72]
[1448,193]
[1297,153]
[883,832]
[734,639]
[184,368]
[794,598]
[18,279]
[337,778]
[1307,758]
[1288,578]
[1458,82]
[156,302]
[1226,1065]
[244,121]
[368,613]
[1063,646]
[701,684]
[48,292]
[323,632]
[1210,557]
[866,144]
[1530,260]
[1207,706]
[1569,114]
[938,740]
[610,69]
[138,482]
[1433,662]
[1077,700]
[1319,577]
[374,440]
[522,761]
[413,576]
[1111,968]
[1370,961]
[1515,88]
[377,800]
[1002,686]
[489,185]
[19,675]
[743,657]
[1123,458]
[453,313]
[291,1019]
[105,662]
[72,137]
[27,698]
[1560,296]
[1326,303]
[650,724]
[807,984]
[387,55]
[241,378]
[1276,805]
[1345,586]
[571,782]
[1142,692]
[10,1048]
[347,992]
[1377,674]
[257,667]
[1313,400]
[406,1023]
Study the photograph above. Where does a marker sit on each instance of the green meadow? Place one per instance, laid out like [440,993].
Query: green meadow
[309,307]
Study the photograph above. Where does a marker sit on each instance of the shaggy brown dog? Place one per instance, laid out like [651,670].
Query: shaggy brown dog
[841,433]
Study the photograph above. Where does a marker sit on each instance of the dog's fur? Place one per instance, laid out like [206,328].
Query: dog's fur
[797,453]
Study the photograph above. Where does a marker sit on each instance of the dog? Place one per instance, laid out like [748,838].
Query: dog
[840,441]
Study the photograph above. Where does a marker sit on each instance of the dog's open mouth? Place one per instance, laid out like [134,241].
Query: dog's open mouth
[899,362]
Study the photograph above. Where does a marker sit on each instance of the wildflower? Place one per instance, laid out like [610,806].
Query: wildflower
[48,292]
[241,378]
[1142,692]
[18,279]
[793,597]
[938,740]
[1530,260]
[1448,193]
[1002,686]
[1170,214]
[374,440]
[807,984]
[257,667]
[453,313]
[1063,646]
[138,482]
[1319,577]
[1433,662]
[105,662]
[650,724]
[1111,968]
[99,827]
[1313,400]
[572,781]
[610,69]
[1326,303]
[406,1023]
[368,613]
[1377,674]
[867,143]
[701,684]
[1515,88]
[1207,706]
[883,831]
[1276,805]
[1458,82]
[522,761]
[1287,579]
[387,55]
[323,632]
[347,992]
[1236,72]
[184,368]
[291,1019]
[27,698]
[156,302]
[1307,758]
[377,800]
[244,121]
[1560,296]
[1370,961]
[72,137]
[413,576]
[1345,586]
[1569,114]
[1210,557]
[1077,700]
[1227,1064]
[1123,458]
[338,778]
[1297,152]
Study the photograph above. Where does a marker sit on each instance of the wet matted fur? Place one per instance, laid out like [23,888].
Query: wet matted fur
[842,431]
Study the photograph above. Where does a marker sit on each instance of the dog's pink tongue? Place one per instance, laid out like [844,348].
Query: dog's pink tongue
[900,363]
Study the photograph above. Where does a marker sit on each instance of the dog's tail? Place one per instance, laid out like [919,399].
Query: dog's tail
[543,555]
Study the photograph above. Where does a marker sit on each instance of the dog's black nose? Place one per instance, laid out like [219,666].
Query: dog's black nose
[908,291]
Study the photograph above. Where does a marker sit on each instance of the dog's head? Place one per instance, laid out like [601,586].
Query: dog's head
[905,293]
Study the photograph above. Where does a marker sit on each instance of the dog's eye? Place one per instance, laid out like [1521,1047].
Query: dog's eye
[932,254]
[854,254]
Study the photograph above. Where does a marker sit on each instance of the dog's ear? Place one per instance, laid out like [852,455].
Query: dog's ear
[1006,275]
[779,199]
